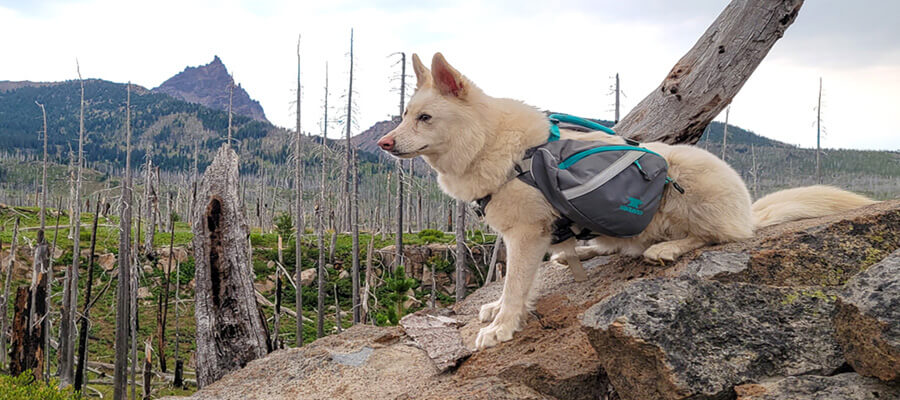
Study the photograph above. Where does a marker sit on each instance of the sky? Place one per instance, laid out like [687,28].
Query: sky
[557,55]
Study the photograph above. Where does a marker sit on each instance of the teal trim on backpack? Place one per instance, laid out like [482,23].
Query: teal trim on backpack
[571,119]
[554,132]
[574,158]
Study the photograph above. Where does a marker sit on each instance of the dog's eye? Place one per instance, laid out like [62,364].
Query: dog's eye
[424,117]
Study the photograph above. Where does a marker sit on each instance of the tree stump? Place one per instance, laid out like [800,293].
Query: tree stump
[230,330]
[26,352]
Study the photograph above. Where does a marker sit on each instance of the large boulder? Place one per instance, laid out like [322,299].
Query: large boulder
[677,338]
[846,386]
[868,320]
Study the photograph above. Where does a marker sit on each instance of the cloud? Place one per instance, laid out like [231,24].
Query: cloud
[559,56]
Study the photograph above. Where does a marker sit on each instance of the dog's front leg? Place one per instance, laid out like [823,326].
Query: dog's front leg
[525,248]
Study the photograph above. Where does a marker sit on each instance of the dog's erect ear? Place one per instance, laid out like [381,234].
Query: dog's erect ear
[423,75]
[447,79]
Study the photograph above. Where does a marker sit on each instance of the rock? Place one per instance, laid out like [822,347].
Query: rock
[179,255]
[307,276]
[676,338]
[713,263]
[344,274]
[264,286]
[438,335]
[868,320]
[144,293]
[411,300]
[208,85]
[846,386]
[819,252]
[107,261]
[147,269]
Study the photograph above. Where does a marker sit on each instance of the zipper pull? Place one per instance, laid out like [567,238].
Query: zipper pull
[641,170]
[675,185]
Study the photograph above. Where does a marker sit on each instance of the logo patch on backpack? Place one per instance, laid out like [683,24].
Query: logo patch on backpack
[633,206]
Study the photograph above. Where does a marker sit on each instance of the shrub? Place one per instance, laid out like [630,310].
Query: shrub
[26,387]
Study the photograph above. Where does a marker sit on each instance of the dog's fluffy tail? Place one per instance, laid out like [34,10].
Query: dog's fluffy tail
[804,202]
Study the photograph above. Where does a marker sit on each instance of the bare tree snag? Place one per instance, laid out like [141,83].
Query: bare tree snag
[148,369]
[85,315]
[298,217]
[230,330]
[706,79]
[3,317]
[44,171]
[123,288]
[162,311]
[460,250]
[70,290]
[354,270]
[25,352]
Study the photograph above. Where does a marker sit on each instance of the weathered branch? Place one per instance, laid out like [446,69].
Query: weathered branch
[707,78]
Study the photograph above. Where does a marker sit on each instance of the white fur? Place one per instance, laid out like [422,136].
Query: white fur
[472,140]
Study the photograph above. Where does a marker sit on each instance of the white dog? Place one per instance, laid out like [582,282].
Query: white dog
[473,140]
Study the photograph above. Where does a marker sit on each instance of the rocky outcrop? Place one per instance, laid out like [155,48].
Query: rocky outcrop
[687,338]
[719,325]
[208,85]
[847,386]
[868,320]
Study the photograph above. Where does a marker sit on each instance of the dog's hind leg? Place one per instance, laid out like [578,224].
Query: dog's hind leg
[672,249]
[525,248]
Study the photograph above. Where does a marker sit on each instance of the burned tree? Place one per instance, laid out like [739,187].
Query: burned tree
[123,288]
[705,80]
[230,330]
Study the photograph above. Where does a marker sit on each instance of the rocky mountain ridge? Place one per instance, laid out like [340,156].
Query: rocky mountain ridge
[209,85]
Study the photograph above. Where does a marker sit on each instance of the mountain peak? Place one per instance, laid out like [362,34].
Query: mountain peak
[209,85]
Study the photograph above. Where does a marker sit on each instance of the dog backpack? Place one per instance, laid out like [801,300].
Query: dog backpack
[596,187]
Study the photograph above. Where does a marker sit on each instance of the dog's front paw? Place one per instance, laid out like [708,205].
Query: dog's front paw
[493,335]
[489,311]
[665,251]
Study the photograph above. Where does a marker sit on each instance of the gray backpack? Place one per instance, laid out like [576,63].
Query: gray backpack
[597,188]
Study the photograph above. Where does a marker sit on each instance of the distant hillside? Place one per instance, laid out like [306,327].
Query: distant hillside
[209,85]
[164,125]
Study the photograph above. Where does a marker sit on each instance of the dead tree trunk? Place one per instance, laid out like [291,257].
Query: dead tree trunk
[298,218]
[3,317]
[230,330]
[26,353]
[492,267]
[70,291]
[44,171]
[354,270]
[162,311]
[276,341]
[460,250]
[38,311]
[705,80]
[148,369]
[85,315]
[123,286]
[349,125]
[370,277]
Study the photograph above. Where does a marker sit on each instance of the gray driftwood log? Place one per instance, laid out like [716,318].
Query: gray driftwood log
[230,330]
[706,79]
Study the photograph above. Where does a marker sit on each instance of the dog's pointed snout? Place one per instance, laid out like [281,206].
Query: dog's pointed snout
[386,143]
